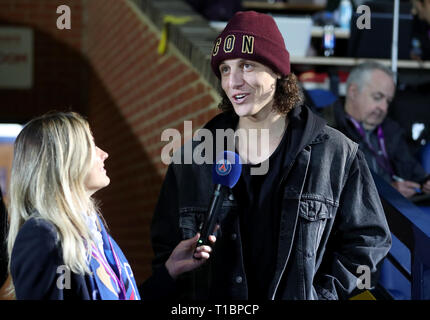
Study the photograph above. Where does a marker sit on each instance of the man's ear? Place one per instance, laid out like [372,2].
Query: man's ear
[352,91]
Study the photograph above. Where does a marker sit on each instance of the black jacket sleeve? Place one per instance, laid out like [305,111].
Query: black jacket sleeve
[35,259]
[165,235]
[165,232]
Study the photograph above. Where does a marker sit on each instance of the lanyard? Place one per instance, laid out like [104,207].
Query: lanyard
[118,266]
[383,160]
[98,256]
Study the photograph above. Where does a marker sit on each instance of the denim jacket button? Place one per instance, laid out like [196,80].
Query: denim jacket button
[233,236]
[231,197]
[238,279]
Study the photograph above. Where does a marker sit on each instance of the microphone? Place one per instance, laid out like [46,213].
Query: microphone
[225,174]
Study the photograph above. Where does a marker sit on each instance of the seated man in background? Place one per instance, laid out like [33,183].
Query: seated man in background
[370,89]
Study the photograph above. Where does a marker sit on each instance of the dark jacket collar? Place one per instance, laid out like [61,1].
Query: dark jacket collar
[302,119]
[311,123]
[299,116]
[344,125]
[340,114]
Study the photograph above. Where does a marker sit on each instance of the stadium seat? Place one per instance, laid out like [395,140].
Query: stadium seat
[425,157]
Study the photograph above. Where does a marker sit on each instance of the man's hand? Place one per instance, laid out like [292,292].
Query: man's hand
[426,186]
[186,256]
[406,188]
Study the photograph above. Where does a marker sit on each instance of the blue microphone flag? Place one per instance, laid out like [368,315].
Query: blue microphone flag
[227,169]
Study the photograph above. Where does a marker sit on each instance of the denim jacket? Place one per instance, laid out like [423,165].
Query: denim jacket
[331,222]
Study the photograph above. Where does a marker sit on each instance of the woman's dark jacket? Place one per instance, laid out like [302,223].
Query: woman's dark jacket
[35,262]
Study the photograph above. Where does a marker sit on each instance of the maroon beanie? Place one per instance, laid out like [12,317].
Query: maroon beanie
[253,36]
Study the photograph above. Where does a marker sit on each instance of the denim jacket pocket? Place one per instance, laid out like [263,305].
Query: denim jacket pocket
[191,219]
[313,215]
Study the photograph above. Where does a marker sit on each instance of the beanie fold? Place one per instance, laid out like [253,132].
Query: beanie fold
[252,36]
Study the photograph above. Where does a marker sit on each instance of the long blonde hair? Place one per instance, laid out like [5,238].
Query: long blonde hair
[52,156]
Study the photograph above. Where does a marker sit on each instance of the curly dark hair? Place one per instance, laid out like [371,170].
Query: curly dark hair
[288,95]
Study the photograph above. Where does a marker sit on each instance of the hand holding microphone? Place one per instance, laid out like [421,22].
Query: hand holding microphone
[186,257]
[225,174]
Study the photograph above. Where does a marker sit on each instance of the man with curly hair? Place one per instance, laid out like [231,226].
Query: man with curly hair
[306,227]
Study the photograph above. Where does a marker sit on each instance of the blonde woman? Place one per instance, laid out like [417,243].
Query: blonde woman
[57,244]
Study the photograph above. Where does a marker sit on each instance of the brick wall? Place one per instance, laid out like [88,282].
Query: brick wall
[134,95]
[108,68]
[60,72]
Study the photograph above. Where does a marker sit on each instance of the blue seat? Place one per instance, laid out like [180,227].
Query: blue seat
[424,156]
[321,98]
[390,277]
[401,275]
